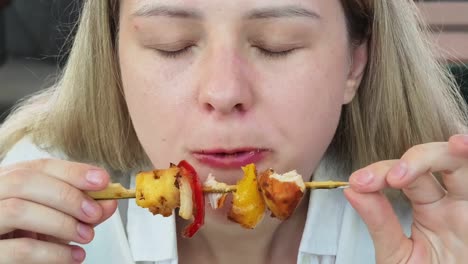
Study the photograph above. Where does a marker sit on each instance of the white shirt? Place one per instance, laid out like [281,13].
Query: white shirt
[333,234]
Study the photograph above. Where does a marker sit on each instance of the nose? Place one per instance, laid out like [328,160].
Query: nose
[224,86]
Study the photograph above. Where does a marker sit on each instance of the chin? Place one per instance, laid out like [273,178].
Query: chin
[218,216]
[230,177]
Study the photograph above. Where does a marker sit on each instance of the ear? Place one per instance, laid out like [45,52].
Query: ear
[359,56]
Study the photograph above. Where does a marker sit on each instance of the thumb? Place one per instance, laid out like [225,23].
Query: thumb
[391,244]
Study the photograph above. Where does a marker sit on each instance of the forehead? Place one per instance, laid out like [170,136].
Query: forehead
[203,8]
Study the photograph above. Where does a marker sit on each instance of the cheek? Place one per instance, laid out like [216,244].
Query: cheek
[156,113]
[307,108]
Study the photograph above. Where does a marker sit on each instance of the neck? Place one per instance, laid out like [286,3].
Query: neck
[222,241]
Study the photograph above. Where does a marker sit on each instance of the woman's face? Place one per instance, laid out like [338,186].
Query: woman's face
[226,83]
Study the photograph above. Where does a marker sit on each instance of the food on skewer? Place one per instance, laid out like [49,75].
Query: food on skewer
[186,194]
[216,200]
[282,192]
[198,199]
[157,190]
[162,191]
[178,187]
[248,205]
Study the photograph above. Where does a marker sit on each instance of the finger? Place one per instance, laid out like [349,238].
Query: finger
[34,186]
[52,239]
[371,178]
[28,234]
[83,176]
[424,190]
[391,244]
[25,215]
[26,250]
[108,209]
[413,172]
[458,145]
[457,181]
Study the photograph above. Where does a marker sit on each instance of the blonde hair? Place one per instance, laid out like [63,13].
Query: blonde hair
[406,97]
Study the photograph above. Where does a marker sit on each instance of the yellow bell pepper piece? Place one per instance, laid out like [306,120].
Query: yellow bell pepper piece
[248,205]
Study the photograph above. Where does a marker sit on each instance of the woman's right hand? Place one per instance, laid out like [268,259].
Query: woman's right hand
[43,208]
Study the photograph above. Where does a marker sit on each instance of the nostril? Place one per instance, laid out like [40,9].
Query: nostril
[209,107]
[239,107]
[236,108]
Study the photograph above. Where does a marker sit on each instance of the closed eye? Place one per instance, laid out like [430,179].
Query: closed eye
[173,54]
[275,54]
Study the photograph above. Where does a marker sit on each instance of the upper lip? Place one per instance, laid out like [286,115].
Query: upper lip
[230,158]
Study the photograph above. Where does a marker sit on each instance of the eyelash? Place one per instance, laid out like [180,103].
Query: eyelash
[274,54]
[176,53]
[264,52]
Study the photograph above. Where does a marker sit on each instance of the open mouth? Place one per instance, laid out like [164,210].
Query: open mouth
[230,159]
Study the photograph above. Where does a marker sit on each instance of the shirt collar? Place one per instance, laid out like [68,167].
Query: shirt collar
[322,229]
[323,224]
[151,238]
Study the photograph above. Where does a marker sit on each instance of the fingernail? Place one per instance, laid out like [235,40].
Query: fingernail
[89,208]
[84,231]
[363,177]
[398,171]
[78,254]
[95,176]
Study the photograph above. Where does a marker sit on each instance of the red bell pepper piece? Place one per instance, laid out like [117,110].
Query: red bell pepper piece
[198,198]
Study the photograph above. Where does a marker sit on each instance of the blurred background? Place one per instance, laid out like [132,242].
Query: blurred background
[33,42]
[33,45]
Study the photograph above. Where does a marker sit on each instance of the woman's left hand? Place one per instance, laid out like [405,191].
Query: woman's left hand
[439,233]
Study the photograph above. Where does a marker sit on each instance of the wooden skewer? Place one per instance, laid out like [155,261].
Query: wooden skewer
[326,184]
[117,191]
[113,191]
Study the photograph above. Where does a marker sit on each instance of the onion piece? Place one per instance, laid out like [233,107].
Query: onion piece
[186,203]
[216,200]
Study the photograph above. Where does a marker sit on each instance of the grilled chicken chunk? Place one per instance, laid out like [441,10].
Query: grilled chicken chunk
[282,192]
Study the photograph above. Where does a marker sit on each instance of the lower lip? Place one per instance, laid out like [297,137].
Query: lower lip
[231,161]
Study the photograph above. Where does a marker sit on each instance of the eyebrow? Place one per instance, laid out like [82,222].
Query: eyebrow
[284,11]
[149,10]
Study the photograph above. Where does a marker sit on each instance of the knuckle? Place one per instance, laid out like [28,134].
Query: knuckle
[22,249]
[381,166]
[13,208]
[25,250]
[39,164]
[67,224]
[44,162]
[68,194]
[61,256]
[17,178]
[61,169]
[416,151]
[71,172]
